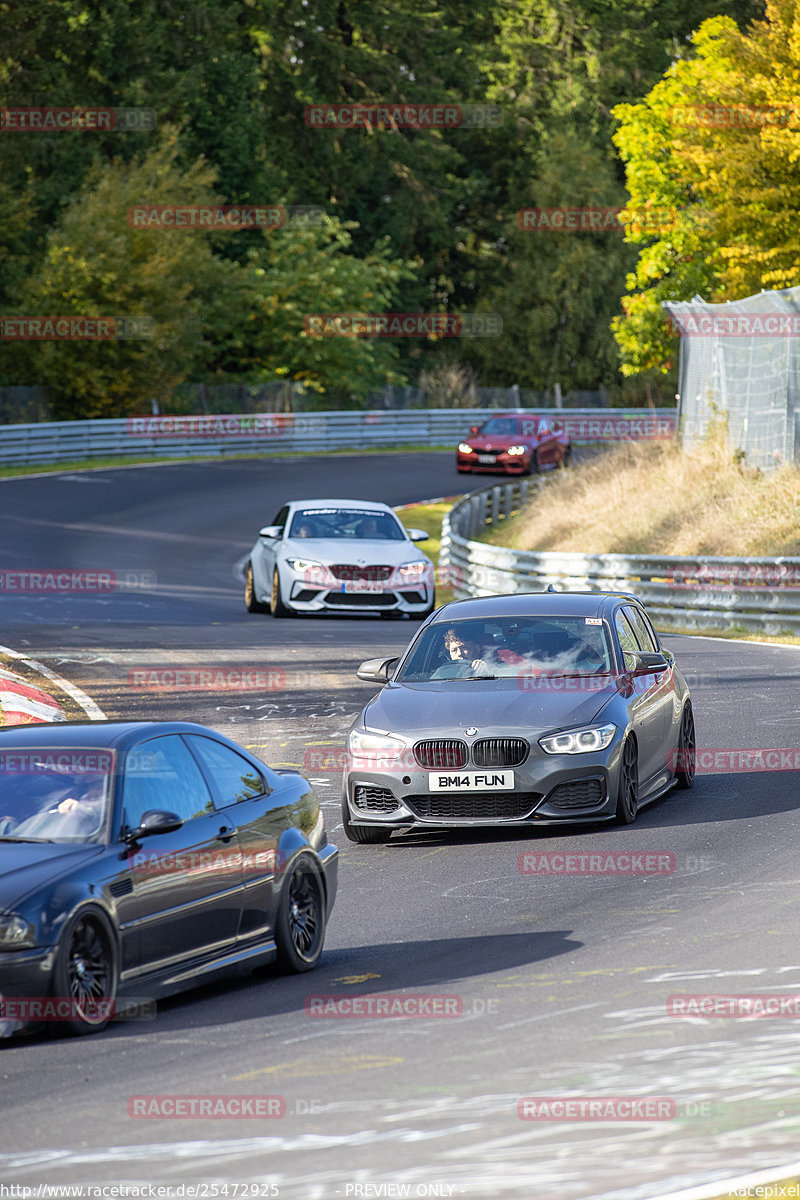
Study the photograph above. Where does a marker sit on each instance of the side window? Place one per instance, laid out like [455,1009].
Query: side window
[235,778]
[627,640]
[644,635]
[280,519]
[161,773]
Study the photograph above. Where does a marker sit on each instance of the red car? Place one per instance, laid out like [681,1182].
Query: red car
[515,444]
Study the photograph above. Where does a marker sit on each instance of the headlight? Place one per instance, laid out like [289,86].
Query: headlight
[464,448]
[306,566]
[360,742]
[16,933]
[517,450]
[413,569]
[580,741]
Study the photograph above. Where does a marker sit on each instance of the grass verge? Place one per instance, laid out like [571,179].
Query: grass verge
[429,517]
[98,464]
[654,498]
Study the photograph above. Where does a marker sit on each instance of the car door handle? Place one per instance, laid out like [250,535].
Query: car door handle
[226,832]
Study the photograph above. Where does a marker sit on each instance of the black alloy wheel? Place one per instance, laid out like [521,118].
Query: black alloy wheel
[628,793]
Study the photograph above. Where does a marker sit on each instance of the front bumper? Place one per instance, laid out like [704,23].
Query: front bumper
[308,597]
[547,790]
[24,974]
[518,464]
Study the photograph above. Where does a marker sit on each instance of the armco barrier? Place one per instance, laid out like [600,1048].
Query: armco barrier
[759,594]
[261,433]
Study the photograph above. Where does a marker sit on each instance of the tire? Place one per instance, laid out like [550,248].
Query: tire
[276,605]
[627,794]
[250,602]
[534,467]
[686,749]
[300,924]
[86,973]
[365,835]
[566,460]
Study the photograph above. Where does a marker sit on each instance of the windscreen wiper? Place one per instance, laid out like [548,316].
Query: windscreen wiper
[24,839]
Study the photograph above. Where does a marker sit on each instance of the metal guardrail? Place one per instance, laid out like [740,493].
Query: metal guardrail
[760,594]
[262,433]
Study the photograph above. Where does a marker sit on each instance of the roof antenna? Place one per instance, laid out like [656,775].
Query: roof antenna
[550,587]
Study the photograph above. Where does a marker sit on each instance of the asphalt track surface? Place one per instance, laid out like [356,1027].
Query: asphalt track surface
[562,980]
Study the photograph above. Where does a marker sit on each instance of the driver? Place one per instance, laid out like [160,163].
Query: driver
[79,814]
[465,650]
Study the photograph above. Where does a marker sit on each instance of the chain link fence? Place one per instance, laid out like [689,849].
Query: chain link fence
[741,360]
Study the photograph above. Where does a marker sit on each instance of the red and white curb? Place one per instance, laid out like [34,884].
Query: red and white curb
[22,704]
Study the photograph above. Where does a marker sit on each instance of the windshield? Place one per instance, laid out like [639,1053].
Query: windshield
[55,794]
[346,524]
[500,425]
[509,647]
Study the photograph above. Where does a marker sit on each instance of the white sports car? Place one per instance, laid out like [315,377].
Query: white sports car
[339,556]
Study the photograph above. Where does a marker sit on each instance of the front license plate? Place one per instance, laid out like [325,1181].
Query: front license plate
[471,781]
[487,458]
[363,585]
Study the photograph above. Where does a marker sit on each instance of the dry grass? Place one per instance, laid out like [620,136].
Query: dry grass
[652,498]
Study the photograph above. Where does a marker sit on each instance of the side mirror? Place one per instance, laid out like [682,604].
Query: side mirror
[418,535]
[271,531]
[645,663]
[377,670]
[473,429]
[155,820]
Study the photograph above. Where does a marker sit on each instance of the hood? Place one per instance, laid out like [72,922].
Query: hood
[357,552]
[494,706]
[24,866]
[499,441]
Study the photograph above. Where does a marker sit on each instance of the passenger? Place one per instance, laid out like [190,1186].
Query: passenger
[368,528]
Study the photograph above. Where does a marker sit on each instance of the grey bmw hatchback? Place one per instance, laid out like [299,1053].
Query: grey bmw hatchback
[536,708]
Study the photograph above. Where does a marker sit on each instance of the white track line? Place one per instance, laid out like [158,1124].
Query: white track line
[85,702]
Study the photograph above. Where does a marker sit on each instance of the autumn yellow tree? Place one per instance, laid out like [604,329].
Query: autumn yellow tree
[716,145]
